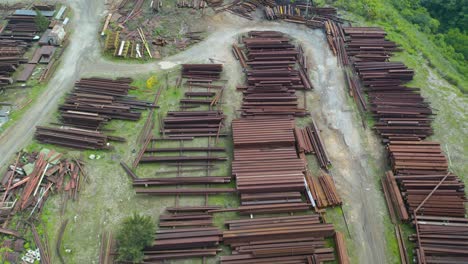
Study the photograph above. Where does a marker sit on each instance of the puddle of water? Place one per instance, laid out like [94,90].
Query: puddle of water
[4,112]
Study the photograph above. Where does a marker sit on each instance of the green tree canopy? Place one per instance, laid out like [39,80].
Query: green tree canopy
[41,21]
[135,234]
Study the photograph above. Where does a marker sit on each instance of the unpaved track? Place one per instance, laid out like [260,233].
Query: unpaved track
[343,138]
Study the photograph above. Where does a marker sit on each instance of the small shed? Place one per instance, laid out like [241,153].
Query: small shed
[57,35]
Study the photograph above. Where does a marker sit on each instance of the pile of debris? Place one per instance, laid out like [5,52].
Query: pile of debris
[93,103]
[28,182]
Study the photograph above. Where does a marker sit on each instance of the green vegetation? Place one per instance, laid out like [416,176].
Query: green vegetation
[41,21]
[424,28]
[136,233]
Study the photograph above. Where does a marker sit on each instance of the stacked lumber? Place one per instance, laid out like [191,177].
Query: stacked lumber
[290,239]
[185,232]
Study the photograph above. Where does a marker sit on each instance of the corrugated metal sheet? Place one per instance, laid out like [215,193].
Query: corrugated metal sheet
[60,12]
[23,12]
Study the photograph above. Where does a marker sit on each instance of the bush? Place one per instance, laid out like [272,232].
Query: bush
[135,234]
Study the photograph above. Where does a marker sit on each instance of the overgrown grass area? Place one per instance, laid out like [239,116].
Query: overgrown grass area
[415,43]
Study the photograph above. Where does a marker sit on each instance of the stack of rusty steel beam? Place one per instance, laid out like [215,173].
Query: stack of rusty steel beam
[395,201]
[201,90]
[441,239]
[186,232]
[301,12]
[368,44]
[289,239]
[270,63]
[266,166]
[202,72]
[15,40]
[323,191]
[193,124]
[401,112]
[20,27]
[419,168]
[93,103]
[73,137]
[309,141]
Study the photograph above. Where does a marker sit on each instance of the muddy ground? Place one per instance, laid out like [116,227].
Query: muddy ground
[355,152]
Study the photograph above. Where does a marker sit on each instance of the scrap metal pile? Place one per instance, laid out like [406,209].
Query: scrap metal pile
[33,177]
[93,103]
[185,232]
[275,69]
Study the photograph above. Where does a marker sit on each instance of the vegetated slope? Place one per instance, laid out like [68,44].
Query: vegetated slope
[439,71]
[433,29]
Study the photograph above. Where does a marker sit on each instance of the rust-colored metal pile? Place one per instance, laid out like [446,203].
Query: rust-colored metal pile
[200,84]
[395,202]
[193,124]
[419,168]
[290,239]
[401,112]
[309,141]
[93,103]
[20,27]
[275,69]
[185,232]
[28,182]
[74,138]
[441,239]
[202,72]
[266,166]
[323,191]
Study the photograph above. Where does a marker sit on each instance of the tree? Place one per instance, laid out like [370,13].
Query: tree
[136,233]
[41,21]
